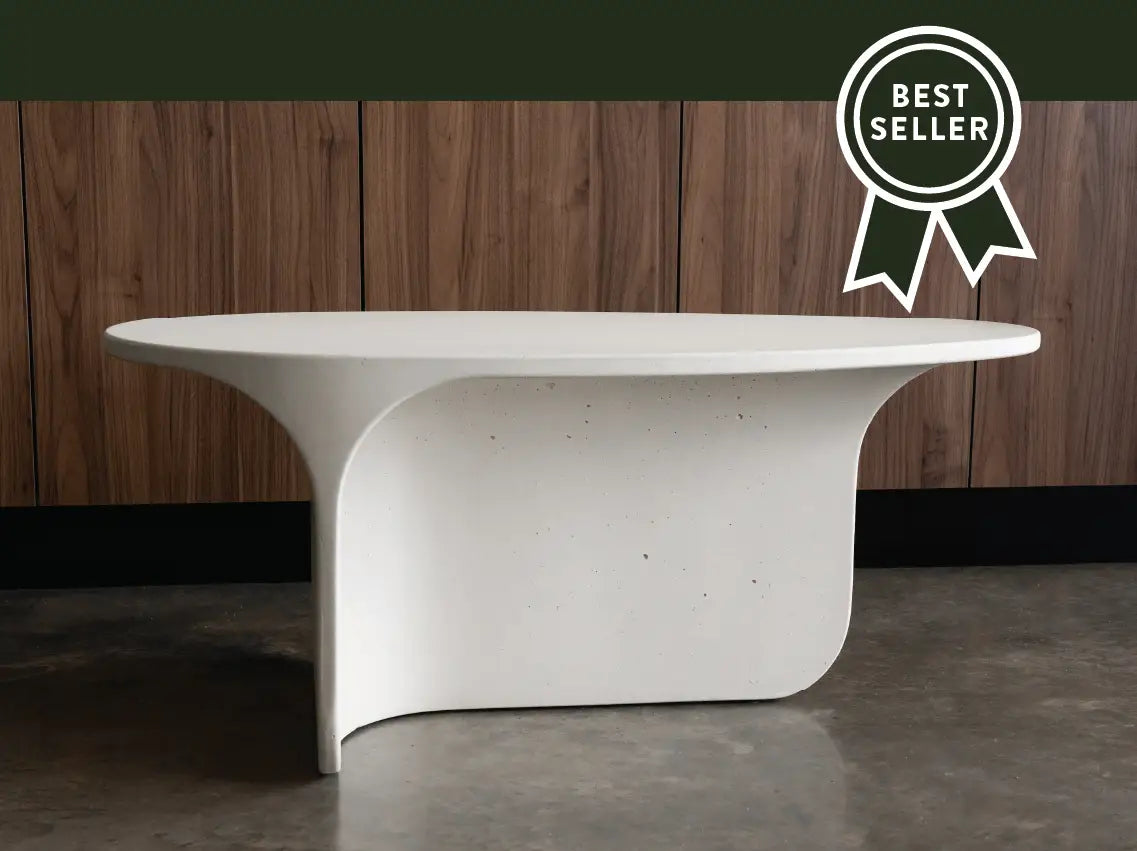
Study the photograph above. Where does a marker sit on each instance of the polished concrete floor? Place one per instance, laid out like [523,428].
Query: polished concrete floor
[970,709]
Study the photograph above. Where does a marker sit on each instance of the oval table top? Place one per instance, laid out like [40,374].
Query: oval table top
[592,343]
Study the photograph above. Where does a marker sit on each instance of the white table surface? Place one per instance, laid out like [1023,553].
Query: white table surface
[711,342]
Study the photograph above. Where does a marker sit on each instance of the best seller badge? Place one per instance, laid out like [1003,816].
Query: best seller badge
[928,119]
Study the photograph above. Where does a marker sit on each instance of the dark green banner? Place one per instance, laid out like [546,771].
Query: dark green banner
[616,49]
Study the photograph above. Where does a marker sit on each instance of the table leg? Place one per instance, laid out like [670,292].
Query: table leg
[327,406]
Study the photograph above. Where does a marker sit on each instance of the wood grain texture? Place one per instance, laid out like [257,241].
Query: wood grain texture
[168,209]
[17,459]
[513,206]
[1066,415]
[770,212]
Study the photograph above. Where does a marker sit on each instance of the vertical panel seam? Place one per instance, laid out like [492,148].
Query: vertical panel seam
[362,198]
[679,217]
[974,394]
[28,306]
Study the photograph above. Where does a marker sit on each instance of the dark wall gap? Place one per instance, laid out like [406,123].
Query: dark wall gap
[28,305]
[974,392]
[362,219]
[679,213]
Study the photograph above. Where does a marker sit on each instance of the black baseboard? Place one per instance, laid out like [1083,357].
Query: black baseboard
[996,526]
[99,545]
[90,546]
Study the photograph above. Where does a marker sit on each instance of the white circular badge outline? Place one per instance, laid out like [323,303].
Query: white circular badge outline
[1012,92]
[1000,122]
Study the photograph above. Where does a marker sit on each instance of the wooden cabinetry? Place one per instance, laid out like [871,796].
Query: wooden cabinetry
[770,211]
[151,209]
[144,209]
[520,206]
[17,451]
[1067,415]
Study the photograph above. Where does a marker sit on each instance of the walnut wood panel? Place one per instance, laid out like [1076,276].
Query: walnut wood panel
[17,459]
[769,214]
[1066,415]
[167,209]
[539,206]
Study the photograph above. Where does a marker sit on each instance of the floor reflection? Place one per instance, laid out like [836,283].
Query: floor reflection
[684,776]
[970,709]
[182,718]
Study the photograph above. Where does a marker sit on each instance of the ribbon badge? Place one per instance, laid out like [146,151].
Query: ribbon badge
[928,119]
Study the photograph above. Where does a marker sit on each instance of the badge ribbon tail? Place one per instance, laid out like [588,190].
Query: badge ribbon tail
[891,247]
[983,228]
[892,242]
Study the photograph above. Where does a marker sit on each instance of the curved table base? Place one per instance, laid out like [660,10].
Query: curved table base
[534,509]
[581,541]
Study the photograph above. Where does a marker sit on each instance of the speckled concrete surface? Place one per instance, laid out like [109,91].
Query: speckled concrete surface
[970,709]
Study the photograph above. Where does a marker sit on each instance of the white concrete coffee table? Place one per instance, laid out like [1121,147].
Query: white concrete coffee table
[548,509]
